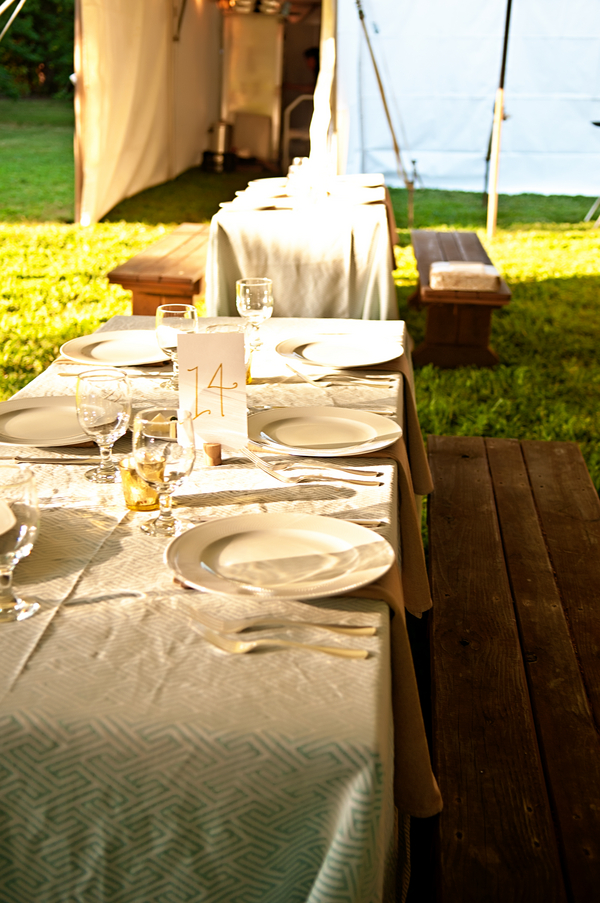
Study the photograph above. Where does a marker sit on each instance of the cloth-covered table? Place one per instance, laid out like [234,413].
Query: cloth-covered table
[140,763]
[330,257]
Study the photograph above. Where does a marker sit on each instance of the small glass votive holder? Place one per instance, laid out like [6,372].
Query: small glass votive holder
[139,496]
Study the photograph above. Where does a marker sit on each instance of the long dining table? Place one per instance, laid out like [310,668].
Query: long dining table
[139,762]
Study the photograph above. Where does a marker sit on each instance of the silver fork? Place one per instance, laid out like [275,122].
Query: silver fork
[302,462]
[324,382]
[239,647]
[318,478]
[237,625]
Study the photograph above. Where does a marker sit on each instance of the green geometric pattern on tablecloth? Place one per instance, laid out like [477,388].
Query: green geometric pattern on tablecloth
[80,803]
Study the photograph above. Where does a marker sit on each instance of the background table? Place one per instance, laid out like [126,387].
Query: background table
[330,258]
[141,763]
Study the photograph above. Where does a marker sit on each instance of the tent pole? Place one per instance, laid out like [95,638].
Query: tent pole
[401,171]
[496,129]
[492,211]
[13,16]
[78,104]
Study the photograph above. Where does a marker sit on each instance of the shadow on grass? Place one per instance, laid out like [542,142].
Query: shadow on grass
[193,197]
[546,323]
[547,384]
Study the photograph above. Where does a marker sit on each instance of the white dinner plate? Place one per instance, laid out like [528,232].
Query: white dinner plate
[123,348]
[296,556]
[339,351]
[322,432]
[43,422]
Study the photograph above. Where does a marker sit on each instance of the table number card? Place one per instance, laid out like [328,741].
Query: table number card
[212,386]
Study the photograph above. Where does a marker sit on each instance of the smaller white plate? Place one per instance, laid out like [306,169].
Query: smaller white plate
[123,348]
[339,351]
[322,432]
[295,556]
[41,422]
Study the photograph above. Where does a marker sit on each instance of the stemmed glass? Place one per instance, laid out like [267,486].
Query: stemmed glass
[164,451]
[173,320]
[103,399]
[254,301]
[19,521]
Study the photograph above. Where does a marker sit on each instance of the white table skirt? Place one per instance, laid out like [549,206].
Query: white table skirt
[140,763]
[325,260]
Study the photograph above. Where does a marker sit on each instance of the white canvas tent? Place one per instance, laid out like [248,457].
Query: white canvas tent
[146,93]
[144,101]
[440,64]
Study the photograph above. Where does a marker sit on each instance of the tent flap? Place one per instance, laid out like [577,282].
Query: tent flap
[144,101]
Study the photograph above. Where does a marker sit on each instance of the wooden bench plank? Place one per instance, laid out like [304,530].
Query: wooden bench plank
[496,838]
[569,511]
[426,248]
[186,262]
[471,248]
[567,735]
[181,255]
[171,269]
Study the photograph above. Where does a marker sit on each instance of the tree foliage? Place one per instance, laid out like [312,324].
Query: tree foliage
[36,54]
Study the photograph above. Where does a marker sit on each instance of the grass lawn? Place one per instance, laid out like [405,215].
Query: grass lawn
[547,385]
[36,153]
[53,286]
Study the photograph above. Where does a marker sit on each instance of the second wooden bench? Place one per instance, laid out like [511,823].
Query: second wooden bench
[170,270]
[514,544]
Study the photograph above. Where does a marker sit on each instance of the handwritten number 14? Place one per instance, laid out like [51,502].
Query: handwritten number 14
[216,382]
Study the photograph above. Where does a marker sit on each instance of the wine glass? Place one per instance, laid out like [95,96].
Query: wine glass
[254,301]
[19,521]
[173,320]
[103,399]
[164,451]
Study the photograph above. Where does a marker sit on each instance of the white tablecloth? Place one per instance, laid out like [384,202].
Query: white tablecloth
[327,259]
[140,763]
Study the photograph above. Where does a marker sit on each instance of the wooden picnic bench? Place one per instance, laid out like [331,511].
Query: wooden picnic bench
[459,323]
[170,270]
[514,550]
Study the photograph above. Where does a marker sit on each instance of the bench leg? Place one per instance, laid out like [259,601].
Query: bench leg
[457,335]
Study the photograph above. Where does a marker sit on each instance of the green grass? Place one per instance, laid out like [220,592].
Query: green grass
[53,274]
[53,287]
[466,210]
[193,197]
[547,386]
[36,154]
[34,111]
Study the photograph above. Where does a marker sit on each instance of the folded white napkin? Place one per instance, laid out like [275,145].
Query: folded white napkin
[463,274]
